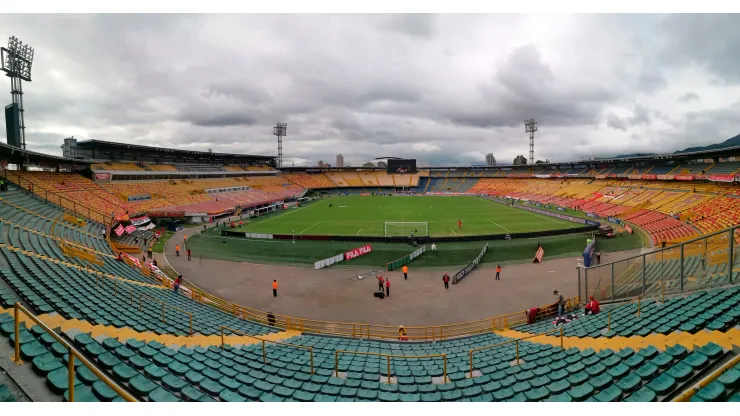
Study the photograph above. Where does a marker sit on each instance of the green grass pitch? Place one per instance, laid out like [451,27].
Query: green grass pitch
[366,216]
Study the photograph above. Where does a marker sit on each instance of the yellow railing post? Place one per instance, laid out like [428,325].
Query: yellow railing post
[638,306]
[662,293]
[471,364]
[311,359]
[517,352]
[222,338]
[444,369]
[191,324]
[71,375]
[336,363]
[264,354]
[163,320]
[561,339]
[389,368]
[609,322]
[16,314]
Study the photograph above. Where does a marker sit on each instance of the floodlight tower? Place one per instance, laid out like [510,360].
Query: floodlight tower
[16,62]
[280,130]
[530,126]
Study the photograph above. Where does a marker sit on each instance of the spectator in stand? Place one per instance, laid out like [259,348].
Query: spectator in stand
[592,307]
[446,280]
[154,262]
[402,333]
[120,256]
[178,282]
[387,286]
[274,288]
[177,250]
[561,303]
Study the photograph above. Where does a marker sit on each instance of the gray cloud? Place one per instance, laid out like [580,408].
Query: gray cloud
[688,97]
[441,88]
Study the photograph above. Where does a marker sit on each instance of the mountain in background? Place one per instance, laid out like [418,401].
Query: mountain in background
[735,141]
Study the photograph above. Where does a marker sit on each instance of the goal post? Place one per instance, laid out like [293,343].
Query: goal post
[406,229]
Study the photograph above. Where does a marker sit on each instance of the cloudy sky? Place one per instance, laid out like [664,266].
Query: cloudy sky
[440,88]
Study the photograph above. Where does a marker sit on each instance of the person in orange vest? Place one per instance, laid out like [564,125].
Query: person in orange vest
[185,239]
[177,250]
[405,269]
[380,283]
[498,271]
[387,287]
[274,288]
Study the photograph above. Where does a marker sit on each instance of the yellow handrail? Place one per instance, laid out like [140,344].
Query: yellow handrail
[264,353]
[388,359]
[516,340]
[688,394]
[354,329]
[17,309]
[143,296]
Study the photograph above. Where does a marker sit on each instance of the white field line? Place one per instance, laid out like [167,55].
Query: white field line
[265,240]
[310,227]
[499,225]
[453,231]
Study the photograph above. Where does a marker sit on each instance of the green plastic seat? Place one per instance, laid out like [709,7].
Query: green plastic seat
[610,394]
[141,385]
[662,384]
[44,364]
[82,394]
[58,382]
[647,371]
[191,394]
[680,371]
[173,383]
[581,392]
[642,395]
[161,395]
[103,392]
[563,397]
[696,360]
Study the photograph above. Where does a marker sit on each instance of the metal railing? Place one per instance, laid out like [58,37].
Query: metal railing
[370,331]
[689,393]
[143,296]
[263,340]
[515,341]
[701,262]
[389,357]
[72,354]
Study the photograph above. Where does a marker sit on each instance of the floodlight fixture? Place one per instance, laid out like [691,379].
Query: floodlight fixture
[530,126]
[16,61]
[280,130]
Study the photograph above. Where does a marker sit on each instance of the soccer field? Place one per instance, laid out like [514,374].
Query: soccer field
[366,216]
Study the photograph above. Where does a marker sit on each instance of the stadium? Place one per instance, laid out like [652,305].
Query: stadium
[142,273]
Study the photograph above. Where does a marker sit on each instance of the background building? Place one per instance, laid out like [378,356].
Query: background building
[340,161]
[490,160]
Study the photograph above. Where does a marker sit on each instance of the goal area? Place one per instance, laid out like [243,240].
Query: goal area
[406,229]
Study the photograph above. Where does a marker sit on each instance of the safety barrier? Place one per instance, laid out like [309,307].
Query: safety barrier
[264,352]
[388,360]
[405,259]
[516,341]
[72,353]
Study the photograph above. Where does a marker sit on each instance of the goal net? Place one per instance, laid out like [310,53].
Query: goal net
[406,229]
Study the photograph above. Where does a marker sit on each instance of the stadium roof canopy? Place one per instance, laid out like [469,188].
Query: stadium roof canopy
[18,156]
[105,150]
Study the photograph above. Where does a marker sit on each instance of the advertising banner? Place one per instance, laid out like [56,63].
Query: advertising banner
[628,228]
[328,262]
[561,209]
[684,177]
[722,178]
[649,177]
[459,276]
[139,220]
[589,253]
[119,230]
[357,252]
[666,177]
[130,229]
[102,176]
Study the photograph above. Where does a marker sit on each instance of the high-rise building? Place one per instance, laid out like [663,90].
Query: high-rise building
[340,161]
[323,165]
[490,160]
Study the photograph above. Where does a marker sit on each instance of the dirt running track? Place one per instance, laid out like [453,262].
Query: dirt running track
[333,295]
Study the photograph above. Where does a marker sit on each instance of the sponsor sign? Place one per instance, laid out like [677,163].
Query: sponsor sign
[538,255]
[133,198]
[684,177]
[357,252]
[543,176]
[592,223]
[139,220]
[328,262]
[628,228]
[634,176]
[649,177]
[561,209]
[538,204]
[722,178]
[130,229]
[600,176]
[666,177]
[118,230]
[592,215]
[459,276]
[102,176]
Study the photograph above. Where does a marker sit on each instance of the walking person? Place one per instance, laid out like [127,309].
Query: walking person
[598,257]
[387,287]
[498,272]
[177,250]
[561,303]
[274,288]
[405,270]
[189,254]
[446,279]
